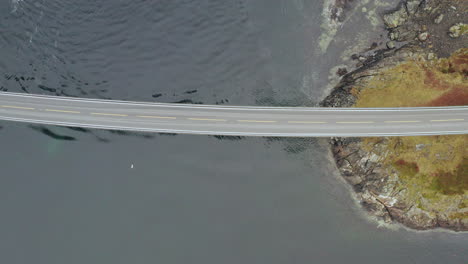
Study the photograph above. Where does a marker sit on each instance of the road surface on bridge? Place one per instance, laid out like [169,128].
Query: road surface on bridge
[233,120]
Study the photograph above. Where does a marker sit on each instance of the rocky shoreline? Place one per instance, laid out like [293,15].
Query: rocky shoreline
[419,30]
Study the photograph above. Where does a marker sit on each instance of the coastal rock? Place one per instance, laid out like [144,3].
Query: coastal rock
[412,6]
[402,34]
[394,35]
[341,71]
[439,18]
[414,218]
[380,191]
[396,18]
[457,30]
[423,36]
[420,147]
[382,188]
[338,9]
[431,56]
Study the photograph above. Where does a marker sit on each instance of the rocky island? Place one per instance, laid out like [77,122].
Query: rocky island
[420,182]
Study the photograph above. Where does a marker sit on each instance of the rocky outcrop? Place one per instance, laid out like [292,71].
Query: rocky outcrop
[417,29]
[458,30]
[381,192]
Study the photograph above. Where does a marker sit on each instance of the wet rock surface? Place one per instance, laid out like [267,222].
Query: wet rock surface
[416,29]
[339,8]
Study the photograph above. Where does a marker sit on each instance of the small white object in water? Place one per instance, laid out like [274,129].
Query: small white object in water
[131,166]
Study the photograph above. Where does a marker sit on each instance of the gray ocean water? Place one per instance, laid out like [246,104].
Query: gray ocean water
[72,195]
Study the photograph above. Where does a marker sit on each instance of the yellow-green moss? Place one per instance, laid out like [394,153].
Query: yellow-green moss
[453,182]
[433,170]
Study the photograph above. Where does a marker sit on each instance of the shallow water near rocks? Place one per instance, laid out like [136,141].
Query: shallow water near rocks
[71,195]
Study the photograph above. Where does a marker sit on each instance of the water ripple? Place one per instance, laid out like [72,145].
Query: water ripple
[135,46]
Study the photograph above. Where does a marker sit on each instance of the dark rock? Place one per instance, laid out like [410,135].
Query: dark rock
[341,71]
[396,18]
[423,36]
[412,6]
[438,19]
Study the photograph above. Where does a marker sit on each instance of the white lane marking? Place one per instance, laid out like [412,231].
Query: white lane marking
[157,117]
[447,120]
[257,121]
[403,121]
[355,122]
[108,114]
[207,119]
[307,122]
[17,107]
[62,111]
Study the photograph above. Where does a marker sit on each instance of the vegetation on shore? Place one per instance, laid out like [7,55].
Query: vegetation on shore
[419,82]
[433,170]
[420,182]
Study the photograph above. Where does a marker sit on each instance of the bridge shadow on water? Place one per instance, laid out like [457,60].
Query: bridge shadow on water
[69,85]
[290,145]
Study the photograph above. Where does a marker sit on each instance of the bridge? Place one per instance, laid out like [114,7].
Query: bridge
[233,120]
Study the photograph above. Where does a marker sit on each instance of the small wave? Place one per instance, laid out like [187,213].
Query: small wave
[15,4]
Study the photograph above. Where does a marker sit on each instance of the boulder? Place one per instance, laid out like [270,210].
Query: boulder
[396,18]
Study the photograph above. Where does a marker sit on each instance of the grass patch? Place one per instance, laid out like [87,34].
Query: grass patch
[432,169]
[440,82]
[455,182]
